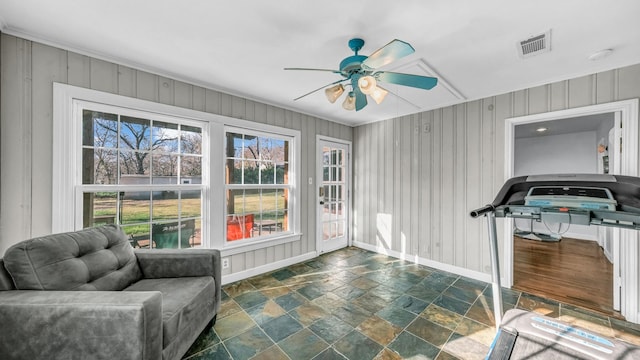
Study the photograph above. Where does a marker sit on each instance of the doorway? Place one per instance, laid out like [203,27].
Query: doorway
[624,247]
[548,255]
[333,193]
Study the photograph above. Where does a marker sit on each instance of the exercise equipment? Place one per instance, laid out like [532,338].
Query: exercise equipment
[584,199]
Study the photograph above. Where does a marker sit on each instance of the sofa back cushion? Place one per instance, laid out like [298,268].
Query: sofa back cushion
[91,259]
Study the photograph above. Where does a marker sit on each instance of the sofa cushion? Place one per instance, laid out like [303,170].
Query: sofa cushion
[185,302]
[91,259]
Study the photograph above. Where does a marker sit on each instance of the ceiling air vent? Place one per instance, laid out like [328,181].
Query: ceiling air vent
[535,45]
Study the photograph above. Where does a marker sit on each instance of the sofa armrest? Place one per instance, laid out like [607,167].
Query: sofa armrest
[80,324]
[173,263]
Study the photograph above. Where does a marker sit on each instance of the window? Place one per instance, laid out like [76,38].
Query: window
[159,171]
[144,173]
[257,184]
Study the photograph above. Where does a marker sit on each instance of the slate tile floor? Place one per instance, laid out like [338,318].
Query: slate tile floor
[355,304]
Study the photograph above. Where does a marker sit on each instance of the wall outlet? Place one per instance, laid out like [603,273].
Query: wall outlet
[225,263]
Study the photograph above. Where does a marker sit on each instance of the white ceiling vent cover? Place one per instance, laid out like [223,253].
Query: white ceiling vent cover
[535,45]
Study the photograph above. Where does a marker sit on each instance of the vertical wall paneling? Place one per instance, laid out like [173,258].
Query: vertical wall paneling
[605,85]
[147,86]
[415,183]
[104,75]
[396,212]
[447,178]
[166,90]
[461,211]
[581,91]
[559,96]
[212,102]
[373,159]
[15,122]
[79,70]
[538,99]
[126,81]
[49,65]
[474,181]
[405,184]
[436,182]
[384,221]
[199,98]
[309,159]
[628,82]
[425,186]
[182,95]
[368,228]
[356,201]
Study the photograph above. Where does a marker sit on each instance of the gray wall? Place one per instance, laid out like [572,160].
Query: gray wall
[556,154]
[28,70]
[417,177]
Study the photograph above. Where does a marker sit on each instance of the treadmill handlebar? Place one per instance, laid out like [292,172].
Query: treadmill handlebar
[481,211]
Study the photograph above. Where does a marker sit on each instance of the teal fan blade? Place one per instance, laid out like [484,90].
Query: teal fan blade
[387,54]
[417,81]
[361,99]
[318,89]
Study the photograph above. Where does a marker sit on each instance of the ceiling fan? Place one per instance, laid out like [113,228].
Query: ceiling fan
[359,72]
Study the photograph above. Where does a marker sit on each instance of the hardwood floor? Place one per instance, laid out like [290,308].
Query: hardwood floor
[571,271]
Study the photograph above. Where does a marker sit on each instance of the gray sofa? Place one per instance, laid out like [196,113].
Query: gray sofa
[89,295]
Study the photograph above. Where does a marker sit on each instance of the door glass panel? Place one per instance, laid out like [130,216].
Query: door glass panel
[333,220]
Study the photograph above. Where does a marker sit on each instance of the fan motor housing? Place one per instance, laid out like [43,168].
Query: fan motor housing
[352,64]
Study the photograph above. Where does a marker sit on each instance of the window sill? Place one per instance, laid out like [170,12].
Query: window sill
[231,248]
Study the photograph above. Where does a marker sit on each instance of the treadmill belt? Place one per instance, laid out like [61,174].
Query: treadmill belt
[528,335]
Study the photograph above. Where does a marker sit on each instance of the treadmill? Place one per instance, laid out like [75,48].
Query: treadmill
[584,199]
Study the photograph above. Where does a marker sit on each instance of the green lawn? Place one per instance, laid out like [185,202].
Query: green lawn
[135,214]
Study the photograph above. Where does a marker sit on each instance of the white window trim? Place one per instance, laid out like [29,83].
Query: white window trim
[67,140]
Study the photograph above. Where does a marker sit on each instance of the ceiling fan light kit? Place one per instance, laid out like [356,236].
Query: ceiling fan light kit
[349,102]
[367,84]
[334,92]
[360,72]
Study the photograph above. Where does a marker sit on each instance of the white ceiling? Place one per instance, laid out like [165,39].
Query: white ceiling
[241,47]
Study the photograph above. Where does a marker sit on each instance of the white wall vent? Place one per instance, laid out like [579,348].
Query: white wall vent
[535,45]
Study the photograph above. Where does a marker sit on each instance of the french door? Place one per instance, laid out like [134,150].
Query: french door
[332,194]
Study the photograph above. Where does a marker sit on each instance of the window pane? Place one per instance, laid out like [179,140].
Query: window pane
[173,235]
[235,202]
[165,169]
[191,140]
[234,171]
[164,137]
[99,208]
[234,145]
[134,168]
[191,204]
[138,235]
[135,133]
[267,172]
[251,173]
[269,201]
[165,205]
[100,166]
[250,150]
[99,129]
[281,174]
[191,168]
[252,161]
[135,207]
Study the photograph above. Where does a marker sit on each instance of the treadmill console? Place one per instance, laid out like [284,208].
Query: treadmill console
[573,197]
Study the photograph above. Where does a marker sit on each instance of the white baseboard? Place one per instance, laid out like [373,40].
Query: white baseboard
[259,270]
[476,275]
